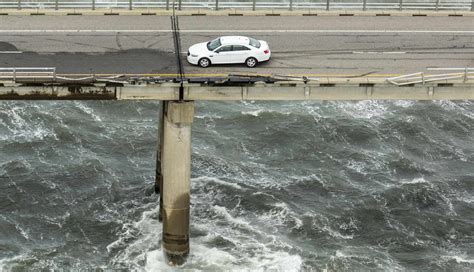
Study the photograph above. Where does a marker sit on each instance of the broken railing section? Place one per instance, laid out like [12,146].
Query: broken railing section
[16,85]
[464,74]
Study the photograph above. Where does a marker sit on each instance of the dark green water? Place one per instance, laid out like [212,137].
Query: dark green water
[330,186]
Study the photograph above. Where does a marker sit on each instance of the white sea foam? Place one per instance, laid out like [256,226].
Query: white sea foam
[404,103]
[235,221]
[322,223]
[217,181]
[366,109]
[88,110]
[458,107]
[282,214]
[366,255]
[255,112]
[459,259]
[23,130]
[138,246]
[7,264]
[414,181]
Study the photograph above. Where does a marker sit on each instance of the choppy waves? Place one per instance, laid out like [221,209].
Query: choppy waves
[335,186]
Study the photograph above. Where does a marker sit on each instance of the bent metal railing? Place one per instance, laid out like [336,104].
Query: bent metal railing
[464,73]
[464,5]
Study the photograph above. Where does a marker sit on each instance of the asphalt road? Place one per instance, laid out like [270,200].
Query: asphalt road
[300,45]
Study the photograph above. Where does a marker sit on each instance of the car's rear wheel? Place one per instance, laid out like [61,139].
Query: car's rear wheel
[251,62]
[204,62]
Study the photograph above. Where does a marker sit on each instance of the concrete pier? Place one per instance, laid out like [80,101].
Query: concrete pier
[159,152]
[176,171]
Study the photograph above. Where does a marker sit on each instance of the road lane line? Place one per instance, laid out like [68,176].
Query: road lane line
[376,52]
[80,31]
[11,52]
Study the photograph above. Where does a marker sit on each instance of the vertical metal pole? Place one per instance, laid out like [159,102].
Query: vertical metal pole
[56,4]
[93,4]
[291,5]
[179,4]
[167,4]
[19,4]
[130,4]
[254,4]
[437,5]
[364,5]
[176,180]
[472,5]
[327,5]
[217,4]
[401,5]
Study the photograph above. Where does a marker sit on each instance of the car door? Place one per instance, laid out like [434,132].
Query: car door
[241,53]
[223,54]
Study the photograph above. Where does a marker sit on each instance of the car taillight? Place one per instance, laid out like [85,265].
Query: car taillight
[266,51]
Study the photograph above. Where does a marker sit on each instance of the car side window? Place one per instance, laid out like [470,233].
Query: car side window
[226,48]
[240,48]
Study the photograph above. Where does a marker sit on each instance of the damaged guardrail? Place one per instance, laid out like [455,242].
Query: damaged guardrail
[421,77]
[47,85]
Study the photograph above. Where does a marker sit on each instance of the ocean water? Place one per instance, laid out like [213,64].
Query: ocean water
[280,186]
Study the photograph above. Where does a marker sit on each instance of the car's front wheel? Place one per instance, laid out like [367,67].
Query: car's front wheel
[204,62]
[251,62]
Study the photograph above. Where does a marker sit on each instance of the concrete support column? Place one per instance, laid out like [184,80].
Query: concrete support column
[159,152]
[176,166]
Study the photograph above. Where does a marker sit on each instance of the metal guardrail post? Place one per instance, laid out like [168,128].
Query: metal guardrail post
[56,4]
[167,4]
[130,4]
[291,5]
[327,5]
[465,74]
[437,5]
[179,4]
[472,5]
[401,5]
[217,4]
[19,4]
[254,3]
[364,5]
[93,4]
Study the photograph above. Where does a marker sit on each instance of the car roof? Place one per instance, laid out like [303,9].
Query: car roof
[235,40]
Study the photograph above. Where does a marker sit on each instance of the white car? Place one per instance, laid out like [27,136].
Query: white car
[229,49]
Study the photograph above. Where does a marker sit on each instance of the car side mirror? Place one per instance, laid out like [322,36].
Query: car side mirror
[217,51]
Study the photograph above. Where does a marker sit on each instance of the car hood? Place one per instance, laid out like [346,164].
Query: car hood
[198,48]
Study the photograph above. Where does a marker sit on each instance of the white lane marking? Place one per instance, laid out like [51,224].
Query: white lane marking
[375,52]
[11,52]
[233,31]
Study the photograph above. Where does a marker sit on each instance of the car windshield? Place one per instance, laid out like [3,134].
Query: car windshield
[214,44]
[254,43]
